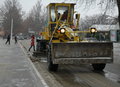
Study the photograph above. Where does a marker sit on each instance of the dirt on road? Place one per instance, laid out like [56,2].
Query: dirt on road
[72,75]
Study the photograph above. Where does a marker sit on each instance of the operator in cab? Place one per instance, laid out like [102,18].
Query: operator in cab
[64,16]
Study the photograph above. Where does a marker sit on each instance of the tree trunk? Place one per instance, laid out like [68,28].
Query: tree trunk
[118,3]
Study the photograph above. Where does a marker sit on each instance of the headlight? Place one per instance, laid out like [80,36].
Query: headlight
[62,30]
[93,30]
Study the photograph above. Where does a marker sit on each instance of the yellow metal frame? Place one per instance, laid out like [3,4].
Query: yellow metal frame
[48,35]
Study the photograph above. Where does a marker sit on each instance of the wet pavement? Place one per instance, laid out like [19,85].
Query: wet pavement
[112,71]
[81,75]
[16,70]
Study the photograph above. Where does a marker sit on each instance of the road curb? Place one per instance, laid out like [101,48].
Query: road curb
[34,68]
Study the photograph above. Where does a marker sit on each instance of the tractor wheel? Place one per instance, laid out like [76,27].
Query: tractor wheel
[99,67]
[51,66]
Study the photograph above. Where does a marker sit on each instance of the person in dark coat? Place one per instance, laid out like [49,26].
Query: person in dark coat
[64,16]
[32,43]
[15,39]
[8,39]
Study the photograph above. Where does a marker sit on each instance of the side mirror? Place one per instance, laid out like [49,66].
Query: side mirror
[77,16]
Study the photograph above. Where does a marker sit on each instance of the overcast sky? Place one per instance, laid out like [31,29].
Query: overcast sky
[27,5]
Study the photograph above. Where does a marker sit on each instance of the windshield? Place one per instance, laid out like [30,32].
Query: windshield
[53,13]
[62,10]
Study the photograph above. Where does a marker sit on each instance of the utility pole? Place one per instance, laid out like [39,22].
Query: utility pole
[11,28]
[12,25]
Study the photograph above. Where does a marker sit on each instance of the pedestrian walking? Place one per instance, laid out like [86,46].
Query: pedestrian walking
[15,39]
[32,43]
[8,39]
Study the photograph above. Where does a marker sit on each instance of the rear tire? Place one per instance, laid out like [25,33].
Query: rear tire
[98,67]
[51,66]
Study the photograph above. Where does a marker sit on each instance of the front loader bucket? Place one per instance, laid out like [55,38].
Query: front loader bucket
[84,52]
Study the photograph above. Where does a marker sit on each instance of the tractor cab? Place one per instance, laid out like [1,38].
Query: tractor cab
[60,12]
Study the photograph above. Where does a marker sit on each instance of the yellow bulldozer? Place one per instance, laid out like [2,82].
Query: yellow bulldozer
[64,41]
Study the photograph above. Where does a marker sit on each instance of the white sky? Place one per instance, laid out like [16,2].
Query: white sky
[27,5]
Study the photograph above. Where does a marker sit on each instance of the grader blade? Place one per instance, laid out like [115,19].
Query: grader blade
[93,52]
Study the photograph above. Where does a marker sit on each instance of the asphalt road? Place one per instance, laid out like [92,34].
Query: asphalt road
[80,75]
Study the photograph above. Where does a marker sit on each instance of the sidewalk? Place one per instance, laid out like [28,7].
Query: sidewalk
[16,70]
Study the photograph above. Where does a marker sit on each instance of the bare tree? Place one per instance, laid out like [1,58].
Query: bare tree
[106,4]
[118,4]
[36,18]
[12,10]
[97,19]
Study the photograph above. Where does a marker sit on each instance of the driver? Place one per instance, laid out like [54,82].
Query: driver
[65,15]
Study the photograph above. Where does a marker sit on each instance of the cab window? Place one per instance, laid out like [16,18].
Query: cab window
[53,14]
[62,10]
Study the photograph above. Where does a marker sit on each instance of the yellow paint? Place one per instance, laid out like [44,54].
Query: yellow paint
[51,31]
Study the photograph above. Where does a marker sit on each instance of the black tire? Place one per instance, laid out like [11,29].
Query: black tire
[51,66]
[98,67]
